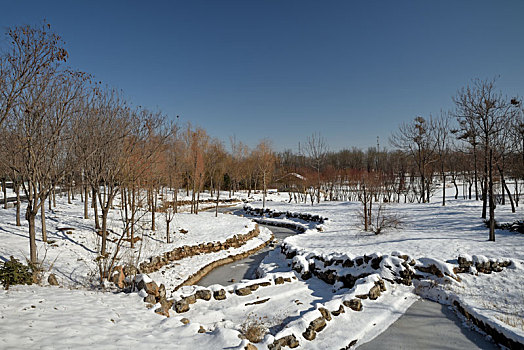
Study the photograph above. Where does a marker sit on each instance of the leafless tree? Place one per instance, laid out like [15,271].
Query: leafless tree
[484,110]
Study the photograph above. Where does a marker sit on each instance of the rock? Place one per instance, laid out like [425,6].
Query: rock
[353,304]
[162,291]
[253,287]
[250,347]
[201,330]
[309,334]
[339,311]
[203,294]
[219,294]
[287,279]
[190,299]
[374,292]
[261,301]
[243,291]
[362,296]
[52,280]
[375,262]
[432,269]
[264,284]
[288,340]
[279,280]
[181,306]
[150,299]
[150,288]
[381,284]
[318,324]
[184,320]
[162,311]
[325,313]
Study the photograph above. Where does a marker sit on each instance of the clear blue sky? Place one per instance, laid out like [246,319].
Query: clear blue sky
[285,69]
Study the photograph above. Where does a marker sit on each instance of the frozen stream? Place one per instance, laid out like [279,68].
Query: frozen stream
[425,325]
[245,268]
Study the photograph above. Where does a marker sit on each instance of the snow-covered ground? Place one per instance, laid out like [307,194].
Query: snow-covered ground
[73,316]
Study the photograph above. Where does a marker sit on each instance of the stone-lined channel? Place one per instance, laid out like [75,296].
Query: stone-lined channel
[245,268]
[425,325]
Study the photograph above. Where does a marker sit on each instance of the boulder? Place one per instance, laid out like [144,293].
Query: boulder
[325,313]
[203,294]
[190,299]
[374,292]
[250,347]
[181,306]
[381,284]
[184,320]
[150,298]
[219,294]
[309,334]
[353,304]
[279,280]
[52,280]
[318,324]
[243,291]
[339,311]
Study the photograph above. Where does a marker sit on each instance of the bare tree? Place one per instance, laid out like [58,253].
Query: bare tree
[416,139]
[481,108]
[315,149]
[265,164]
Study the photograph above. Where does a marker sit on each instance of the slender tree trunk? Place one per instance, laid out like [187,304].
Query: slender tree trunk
[505,187]
[218,195]
[167,231]
[153,208]
[491,200]
[30,217]
[42,218]
[264,193]
[443,188]
[476,173]
[4,189]
[105,211]
[95,209]
[86,205]
[18,204]
[133,211]
[365,209]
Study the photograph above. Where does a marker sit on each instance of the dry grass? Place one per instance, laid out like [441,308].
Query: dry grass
[513,321]
[254,328]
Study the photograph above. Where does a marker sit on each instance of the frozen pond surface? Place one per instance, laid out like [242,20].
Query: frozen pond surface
[429,325]
[425,325]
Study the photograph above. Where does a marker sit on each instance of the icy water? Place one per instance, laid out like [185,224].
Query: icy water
[425,325]
[428,325]
[245,268]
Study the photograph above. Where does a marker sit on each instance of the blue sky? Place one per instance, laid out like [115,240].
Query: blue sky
[351,70]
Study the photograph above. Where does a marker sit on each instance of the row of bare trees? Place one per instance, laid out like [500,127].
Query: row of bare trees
[62,131]
[479,146]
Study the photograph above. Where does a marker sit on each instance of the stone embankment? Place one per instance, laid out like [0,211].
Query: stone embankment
[157,262]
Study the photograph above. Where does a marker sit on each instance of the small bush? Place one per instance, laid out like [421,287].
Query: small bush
[14,272]
[253,329]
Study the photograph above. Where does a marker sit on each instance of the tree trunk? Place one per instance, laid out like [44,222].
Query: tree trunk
[4,189]
[491,200]
[133,210]
[264,192]
[153,208]
[443,188]
[167,231]
[18,204]
[42,217]
[86,205]
[105,211]
[218,195]
[95,209]
[505,187]
[30,217]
